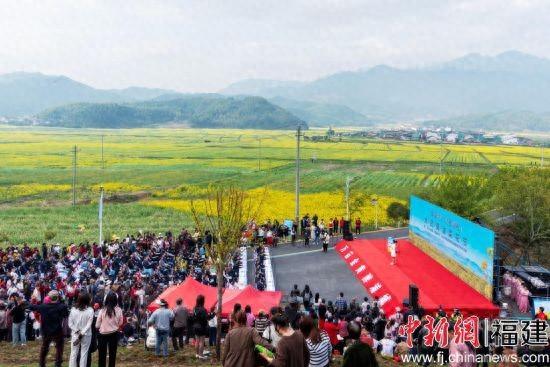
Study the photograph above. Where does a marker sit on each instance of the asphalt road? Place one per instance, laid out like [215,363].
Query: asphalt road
[325,273]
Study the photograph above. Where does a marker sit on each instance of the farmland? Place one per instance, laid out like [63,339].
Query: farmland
[150,175]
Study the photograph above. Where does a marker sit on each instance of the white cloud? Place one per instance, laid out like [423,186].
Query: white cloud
[202,45]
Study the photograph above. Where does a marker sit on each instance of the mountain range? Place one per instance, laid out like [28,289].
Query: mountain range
[510,90]
[471,85]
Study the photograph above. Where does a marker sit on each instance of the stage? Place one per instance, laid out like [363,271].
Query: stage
[370,262]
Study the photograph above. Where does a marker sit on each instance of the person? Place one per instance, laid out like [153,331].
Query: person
[239,344]
[331,328]
[388,346]
[341,303]
[3,322]
[262,322]
[318,343]
[108,322]
[161,319]
[181,317]
[358,354]
[250,319]
[80,323]
[326,241]
[200,326]
[292,349]
[212,326]
[357,225]
[18,325]
[541,315]
[236,308]
[52,315]
[269,333]
[393,253]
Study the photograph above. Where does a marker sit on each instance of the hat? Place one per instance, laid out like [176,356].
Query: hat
[163,303]
[54,296]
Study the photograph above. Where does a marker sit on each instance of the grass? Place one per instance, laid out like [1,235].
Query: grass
[135,355]
[150,174]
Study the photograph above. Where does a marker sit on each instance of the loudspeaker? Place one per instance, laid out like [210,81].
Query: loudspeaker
[347,235]
[413,296]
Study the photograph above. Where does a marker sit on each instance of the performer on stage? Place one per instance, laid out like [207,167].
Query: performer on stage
[393,251]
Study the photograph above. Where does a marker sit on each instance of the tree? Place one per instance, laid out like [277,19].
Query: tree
[223,212]
[464,195]
[397,211]
[524,193]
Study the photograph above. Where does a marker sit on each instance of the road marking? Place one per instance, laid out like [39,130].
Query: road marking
[309,251]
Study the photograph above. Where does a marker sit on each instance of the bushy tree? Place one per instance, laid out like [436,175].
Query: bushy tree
[223,212]
[397,211]
[462,194]
[524,194]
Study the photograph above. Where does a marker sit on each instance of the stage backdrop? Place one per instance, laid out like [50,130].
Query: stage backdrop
[463,247]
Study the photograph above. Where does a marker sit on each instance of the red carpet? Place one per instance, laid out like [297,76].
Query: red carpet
[370,261]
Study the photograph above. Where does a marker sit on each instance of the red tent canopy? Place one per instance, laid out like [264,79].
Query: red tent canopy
[258,300]
[188,291]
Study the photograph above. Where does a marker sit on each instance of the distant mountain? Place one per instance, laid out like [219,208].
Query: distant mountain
[501,121]
[322,114]
[30,93]
[473,84]
[261,86]
[204,111]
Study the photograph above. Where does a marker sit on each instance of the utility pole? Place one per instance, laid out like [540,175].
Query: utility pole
[74,175]
[348,182]
[102,160]
[542,156]
[441,154]
[297,207]
[374,202]
[259,154]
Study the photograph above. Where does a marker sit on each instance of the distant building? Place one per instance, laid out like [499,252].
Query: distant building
[451,138]
[510,140]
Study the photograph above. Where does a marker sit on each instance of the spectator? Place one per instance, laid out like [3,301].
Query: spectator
[358,354]
[250,319]
[161,319]
[240,342]
[292,350]
[318,343]
[181,318]
[200,326]
[18,325]
[269,333]
[80,323]
[212,327]
[52,315]
[3,322]
[262,322]
[109,320]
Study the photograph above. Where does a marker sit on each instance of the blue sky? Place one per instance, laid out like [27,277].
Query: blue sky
[203,45]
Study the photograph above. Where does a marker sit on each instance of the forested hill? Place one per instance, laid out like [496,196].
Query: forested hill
[202,111]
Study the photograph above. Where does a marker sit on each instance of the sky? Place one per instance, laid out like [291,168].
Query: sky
[204,45]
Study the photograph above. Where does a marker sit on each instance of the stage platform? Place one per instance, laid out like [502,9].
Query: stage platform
[371,263]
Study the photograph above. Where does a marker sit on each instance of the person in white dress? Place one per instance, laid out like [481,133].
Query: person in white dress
[80,323]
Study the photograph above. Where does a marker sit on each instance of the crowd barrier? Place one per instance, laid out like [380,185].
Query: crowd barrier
[243,270]
[270,280]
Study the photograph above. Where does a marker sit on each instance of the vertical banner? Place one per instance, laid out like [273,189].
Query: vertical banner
[463,247]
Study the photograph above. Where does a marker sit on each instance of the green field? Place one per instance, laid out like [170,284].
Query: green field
[150,174]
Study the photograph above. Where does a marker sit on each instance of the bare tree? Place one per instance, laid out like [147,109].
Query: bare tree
[223,212]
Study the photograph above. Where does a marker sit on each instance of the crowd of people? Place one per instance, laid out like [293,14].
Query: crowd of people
[259,268]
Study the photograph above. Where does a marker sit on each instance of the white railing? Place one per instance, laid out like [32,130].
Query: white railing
[243,270]
[269,279]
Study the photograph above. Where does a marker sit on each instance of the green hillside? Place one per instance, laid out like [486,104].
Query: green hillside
[206,111]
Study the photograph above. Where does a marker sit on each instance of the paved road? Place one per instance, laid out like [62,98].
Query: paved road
[325,273]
